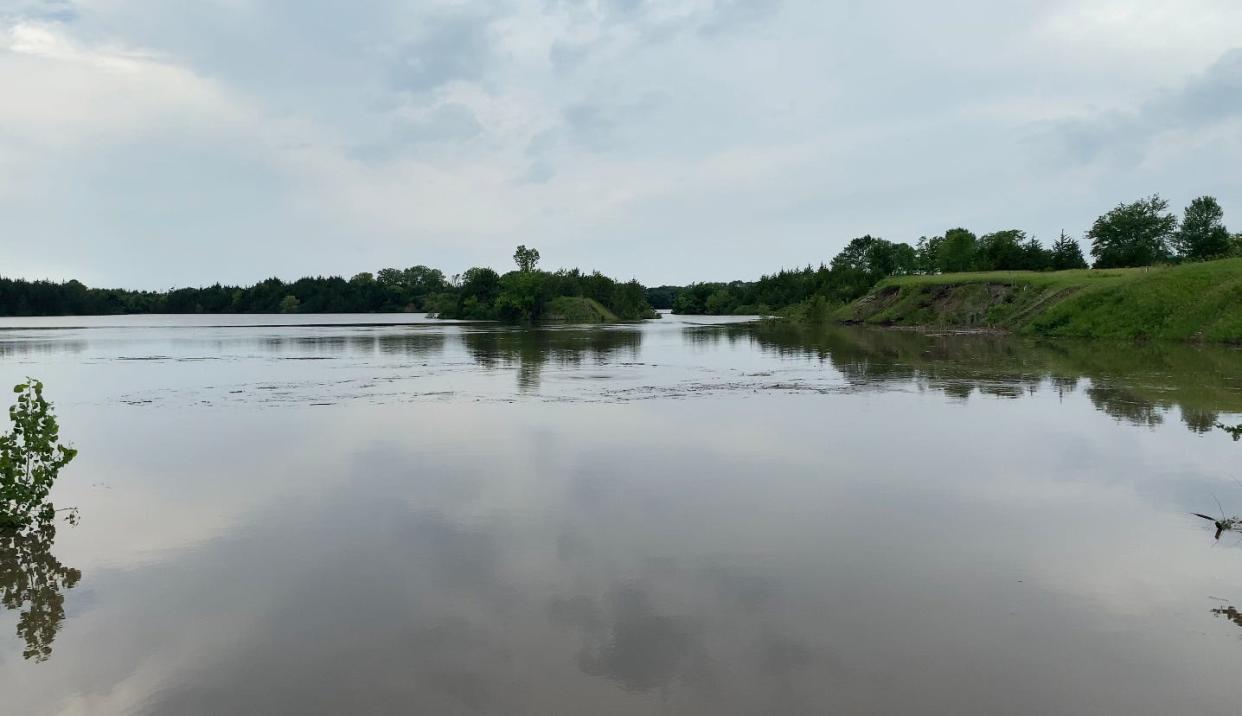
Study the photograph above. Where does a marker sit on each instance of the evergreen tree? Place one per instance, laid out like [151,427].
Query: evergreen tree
[1067,254]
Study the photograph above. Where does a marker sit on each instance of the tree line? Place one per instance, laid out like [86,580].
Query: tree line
[478,293]
[1140,233]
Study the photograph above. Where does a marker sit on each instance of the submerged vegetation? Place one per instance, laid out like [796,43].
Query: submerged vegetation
[31,457]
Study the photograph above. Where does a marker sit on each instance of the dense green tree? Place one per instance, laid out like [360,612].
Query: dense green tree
[926,252]
[31,457]
[720,303]
[956,252]
[1067,254]
[662,297]
[289,304]
[526,259]
[480,286]
[1034,256]
[1001,251]
[421,280]
[629,301]
[1203,234]
[523,296]
[390,278]
[876,258]
[1135,234]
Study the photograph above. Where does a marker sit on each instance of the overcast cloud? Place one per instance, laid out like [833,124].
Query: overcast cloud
[146,143]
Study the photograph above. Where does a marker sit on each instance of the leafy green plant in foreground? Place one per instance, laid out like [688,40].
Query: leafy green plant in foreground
[31,456]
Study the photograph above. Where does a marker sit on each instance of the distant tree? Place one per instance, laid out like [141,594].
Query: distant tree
[362,279]
[662,296]
[1135,234]
[289,304]
[817,310]
[390,278]
[956,251]
[523,295]
[1067,254]
[421,280]
[1034,256]
[1001,251]
[719,303]
[867,260]
[629,301]
[477,295]
[1203,235]
[926,252]
[905,260]
[526,259]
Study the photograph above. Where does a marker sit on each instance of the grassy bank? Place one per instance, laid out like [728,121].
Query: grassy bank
[1192,302]
[575,309]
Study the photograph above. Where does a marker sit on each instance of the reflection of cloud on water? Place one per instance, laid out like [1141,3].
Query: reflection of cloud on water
[628,642]
[407,587]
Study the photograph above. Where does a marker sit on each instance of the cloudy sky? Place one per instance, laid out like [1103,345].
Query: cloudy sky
[148,143]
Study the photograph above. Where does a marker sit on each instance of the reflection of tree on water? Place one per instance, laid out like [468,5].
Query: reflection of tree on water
[34,581]
[1136,384]
[1125,406]
[415,344]
[531,349]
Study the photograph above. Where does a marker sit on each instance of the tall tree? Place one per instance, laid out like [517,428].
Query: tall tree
[956,251]
[1067,254]
[1001,251]
[1034,256]
[1135,234]
[526,259]
[1203,235]
[926,252]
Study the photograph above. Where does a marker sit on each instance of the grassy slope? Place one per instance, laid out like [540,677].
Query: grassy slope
[573,309]
[1200,301]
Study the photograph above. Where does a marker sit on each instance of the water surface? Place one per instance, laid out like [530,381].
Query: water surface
[378,514]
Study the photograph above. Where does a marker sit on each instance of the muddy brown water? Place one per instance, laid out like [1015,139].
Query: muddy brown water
[361,514]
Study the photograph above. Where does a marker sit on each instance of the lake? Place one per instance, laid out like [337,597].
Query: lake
[383,514]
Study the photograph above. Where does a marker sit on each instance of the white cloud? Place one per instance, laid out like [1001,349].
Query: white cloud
[670,141]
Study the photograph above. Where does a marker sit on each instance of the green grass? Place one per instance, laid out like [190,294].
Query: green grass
[1192,302]
[575,309]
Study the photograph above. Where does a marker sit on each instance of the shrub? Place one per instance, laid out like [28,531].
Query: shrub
[31,457]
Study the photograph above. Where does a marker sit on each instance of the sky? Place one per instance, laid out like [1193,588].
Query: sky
[151,144]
